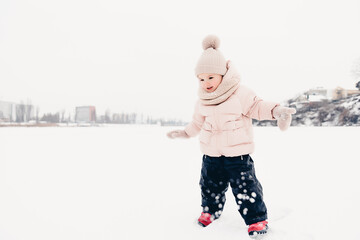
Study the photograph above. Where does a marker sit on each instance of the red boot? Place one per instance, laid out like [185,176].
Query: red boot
[205,219]
[258,228]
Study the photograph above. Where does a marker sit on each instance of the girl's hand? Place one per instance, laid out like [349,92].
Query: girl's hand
[177,134]
[283,116]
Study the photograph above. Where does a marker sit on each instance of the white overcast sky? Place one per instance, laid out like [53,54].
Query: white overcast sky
[140,55]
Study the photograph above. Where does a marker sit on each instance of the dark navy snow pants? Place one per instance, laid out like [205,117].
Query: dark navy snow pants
[218,172]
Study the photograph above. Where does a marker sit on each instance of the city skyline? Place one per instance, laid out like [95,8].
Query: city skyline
[27,109]
[11,112]
[120,56]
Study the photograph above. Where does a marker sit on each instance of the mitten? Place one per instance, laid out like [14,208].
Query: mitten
[177,134]
[283,116]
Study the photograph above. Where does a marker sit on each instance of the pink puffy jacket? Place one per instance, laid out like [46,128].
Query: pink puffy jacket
[226,129]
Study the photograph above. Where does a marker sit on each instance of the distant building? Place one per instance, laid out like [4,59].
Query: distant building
[24,112]
[318,94]
[12,112]
[321,94]
[340,93]
[7,111]
[85,114]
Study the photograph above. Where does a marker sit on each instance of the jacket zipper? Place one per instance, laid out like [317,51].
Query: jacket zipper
[217,131]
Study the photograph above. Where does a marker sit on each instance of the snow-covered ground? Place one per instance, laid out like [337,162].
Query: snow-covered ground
[131,182]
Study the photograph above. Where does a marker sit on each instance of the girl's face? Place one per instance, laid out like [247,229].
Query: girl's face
[209,81]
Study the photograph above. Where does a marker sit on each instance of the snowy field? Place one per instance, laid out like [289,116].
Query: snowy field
[132,182]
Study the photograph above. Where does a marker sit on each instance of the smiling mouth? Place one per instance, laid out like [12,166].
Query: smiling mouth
[209,88]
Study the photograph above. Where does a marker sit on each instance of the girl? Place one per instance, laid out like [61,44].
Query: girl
[223,118]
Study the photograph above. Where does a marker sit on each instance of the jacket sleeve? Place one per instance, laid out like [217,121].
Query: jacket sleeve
[255,107]
[194,127]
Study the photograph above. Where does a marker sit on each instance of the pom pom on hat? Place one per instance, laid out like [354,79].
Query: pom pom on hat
[211,41]
[211,60]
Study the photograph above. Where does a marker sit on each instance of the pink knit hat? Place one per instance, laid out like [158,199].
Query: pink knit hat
[212,60]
